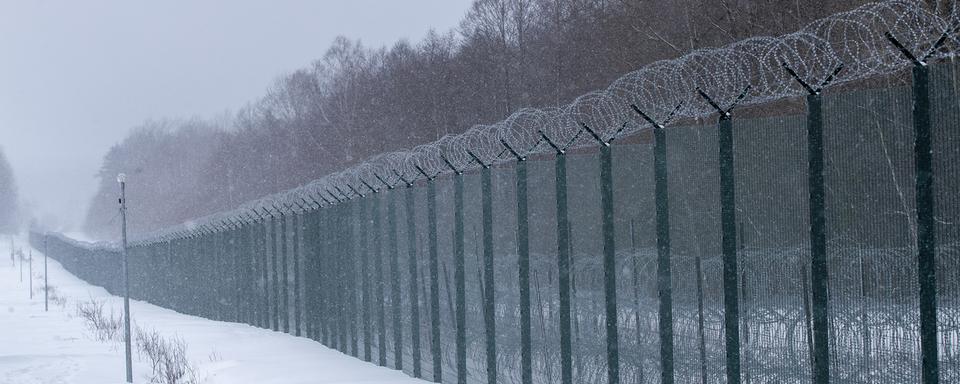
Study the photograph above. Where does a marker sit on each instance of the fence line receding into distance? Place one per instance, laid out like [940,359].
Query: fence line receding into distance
[822,247]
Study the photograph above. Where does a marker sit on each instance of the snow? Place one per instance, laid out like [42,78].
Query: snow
[57,347]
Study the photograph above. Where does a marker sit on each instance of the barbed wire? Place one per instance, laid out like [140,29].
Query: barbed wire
[747,72]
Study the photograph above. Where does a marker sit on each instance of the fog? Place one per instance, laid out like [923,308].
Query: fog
[76,76]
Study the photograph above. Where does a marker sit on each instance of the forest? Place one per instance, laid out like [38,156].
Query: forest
[355,101]
[9,217]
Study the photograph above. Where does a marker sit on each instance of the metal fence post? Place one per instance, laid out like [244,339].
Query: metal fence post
[343,289]
[365,278]
[323,270]
[523,266]
[297,227]
[435,345]
[346,261]
[326,278]
[563,259]
[253,295]
[819,273]
[335,280]
[609,254]
[609,263]
[253,273]
[211,281]
[225,259]
[275,275]
[728,224]
[489,301]
[380,285]
[394,247]
[925,201]
[219,272]
[728,229]
[306,280]
[664,273]
[818,242]
[213,274]
[202,305]
[208,281]
[235,260]
[247,280]
[264,293]
[459,276]
[284,274]
[310,278]
[350,277]
[414,294]
[926,225]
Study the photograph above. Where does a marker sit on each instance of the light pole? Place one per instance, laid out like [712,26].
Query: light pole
[122,179]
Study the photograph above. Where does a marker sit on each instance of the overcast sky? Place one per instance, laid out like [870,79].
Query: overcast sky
[75,76]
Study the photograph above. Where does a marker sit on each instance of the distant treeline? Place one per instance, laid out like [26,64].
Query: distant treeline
[8,198]
[356,101]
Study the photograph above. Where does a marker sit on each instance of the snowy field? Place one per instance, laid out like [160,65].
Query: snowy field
[59,347]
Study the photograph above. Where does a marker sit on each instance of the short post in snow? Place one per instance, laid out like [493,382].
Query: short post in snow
[122,179]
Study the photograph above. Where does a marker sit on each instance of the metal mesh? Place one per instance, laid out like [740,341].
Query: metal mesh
[871,236]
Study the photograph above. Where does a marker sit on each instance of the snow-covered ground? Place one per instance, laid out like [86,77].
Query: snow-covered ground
[57,347]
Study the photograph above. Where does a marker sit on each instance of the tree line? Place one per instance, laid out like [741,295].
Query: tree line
[356,101]
[9,218]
